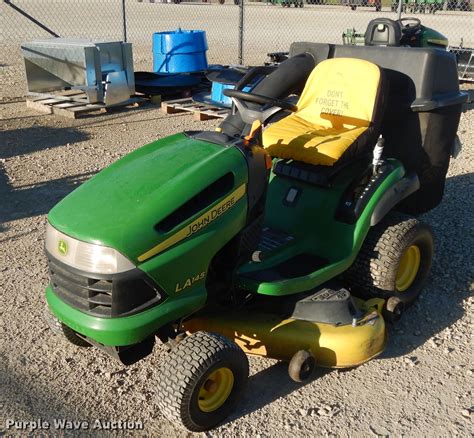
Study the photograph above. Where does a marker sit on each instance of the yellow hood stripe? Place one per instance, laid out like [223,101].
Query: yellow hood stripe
[187,231]
[437,41]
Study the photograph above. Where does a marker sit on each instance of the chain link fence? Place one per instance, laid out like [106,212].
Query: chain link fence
[236,32]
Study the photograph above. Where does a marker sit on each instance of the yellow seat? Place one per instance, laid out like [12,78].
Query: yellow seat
[337,114]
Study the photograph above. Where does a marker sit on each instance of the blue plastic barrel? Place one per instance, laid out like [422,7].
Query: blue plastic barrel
[217,93]
[180,51]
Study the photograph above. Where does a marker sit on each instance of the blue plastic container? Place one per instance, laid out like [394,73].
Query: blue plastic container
[217,93]
[180,51]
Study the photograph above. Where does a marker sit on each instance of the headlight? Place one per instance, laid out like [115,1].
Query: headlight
[85,256]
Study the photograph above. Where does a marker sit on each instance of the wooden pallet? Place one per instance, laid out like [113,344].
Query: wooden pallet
[71,105]
[200,111]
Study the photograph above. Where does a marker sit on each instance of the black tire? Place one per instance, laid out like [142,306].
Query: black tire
[185,371]
[58,328]
[301,366]
[393,309]
[374,272]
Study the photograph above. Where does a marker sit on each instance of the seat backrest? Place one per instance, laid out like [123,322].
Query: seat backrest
[290,77]
[341,93]
[383,32]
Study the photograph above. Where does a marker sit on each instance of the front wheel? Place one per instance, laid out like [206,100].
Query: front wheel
[394,260]
[201,381]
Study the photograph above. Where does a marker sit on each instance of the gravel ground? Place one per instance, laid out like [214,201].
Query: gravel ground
[420,386]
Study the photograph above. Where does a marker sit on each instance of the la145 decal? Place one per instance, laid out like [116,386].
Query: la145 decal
[190,281]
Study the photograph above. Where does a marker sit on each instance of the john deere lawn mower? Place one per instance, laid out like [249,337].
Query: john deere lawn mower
[407,31]
[287,233]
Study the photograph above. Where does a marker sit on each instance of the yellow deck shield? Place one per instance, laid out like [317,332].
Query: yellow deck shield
[267,335]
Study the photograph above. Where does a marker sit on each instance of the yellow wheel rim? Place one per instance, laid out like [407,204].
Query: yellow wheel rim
[216,389]
[408,268]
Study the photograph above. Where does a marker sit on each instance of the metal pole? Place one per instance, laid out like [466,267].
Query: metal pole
[124,21]
[241,32]
[399,12]
[32,19]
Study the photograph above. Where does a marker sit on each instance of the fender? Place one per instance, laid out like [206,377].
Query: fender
[399,191]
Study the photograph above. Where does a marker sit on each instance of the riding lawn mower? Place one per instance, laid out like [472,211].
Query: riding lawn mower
[288,232]
[410,32]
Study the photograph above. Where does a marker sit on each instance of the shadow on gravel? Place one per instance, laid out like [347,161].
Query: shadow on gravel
[27,140]
[35,116]
[123,114]
[34,199]
[121,111]
[36,402]
[8,100]
[269,385]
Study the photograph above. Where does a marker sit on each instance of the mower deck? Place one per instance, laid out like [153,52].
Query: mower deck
[270,335]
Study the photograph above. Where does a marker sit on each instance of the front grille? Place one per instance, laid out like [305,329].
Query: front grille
[114,296]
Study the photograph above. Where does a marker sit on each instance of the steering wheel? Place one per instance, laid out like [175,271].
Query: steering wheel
[261,100]
[412,24]
[249,115]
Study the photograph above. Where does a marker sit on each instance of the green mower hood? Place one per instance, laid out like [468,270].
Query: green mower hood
[121,206]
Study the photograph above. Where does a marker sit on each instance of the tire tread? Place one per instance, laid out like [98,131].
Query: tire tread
[374,270]
[183,366]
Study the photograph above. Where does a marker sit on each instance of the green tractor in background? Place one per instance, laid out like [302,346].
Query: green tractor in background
[289,232]
[407,31]
[421,6]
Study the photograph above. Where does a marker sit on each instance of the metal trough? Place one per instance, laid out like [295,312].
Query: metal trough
[102,70]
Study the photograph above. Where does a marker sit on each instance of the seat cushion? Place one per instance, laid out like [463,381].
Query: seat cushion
[294,138]
[336,110]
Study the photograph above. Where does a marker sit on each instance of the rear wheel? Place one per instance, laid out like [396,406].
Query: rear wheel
[394,260]
[201,380]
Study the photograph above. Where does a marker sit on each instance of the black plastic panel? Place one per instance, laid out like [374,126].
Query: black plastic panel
[330,306]
[360,192]
[309,173]
[383,32]
[114,296]
[421,75]
[298,266]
